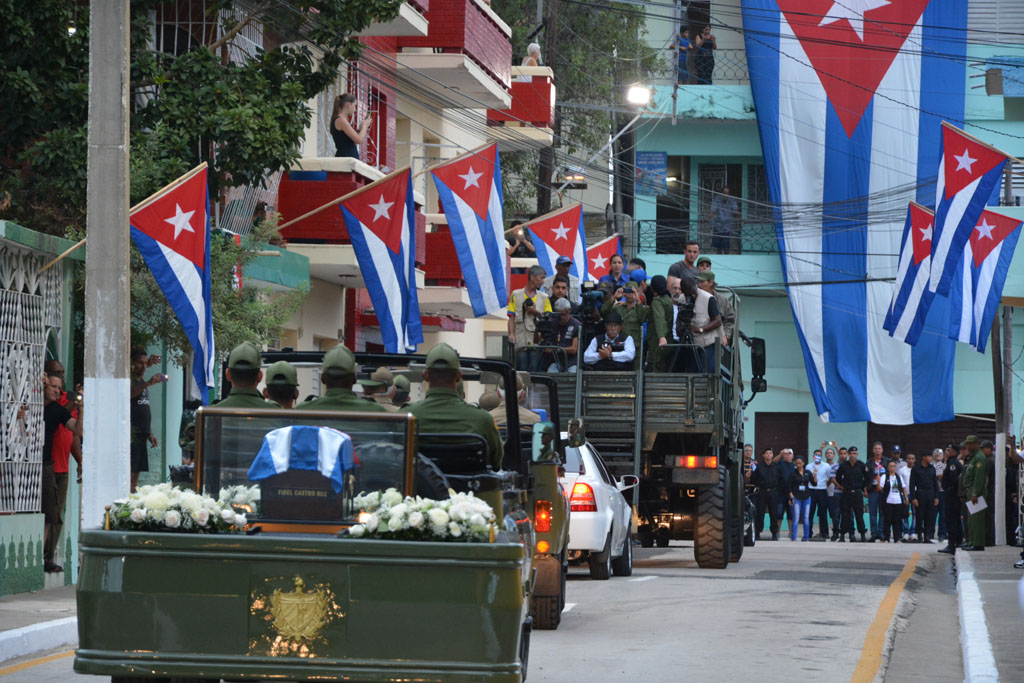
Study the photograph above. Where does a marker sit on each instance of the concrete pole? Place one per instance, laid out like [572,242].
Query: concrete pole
[107,285]
[999,504]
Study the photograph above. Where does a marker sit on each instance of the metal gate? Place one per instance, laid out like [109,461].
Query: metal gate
[30,309]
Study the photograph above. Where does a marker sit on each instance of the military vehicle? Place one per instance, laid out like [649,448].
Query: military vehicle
[682,435]
[295,598]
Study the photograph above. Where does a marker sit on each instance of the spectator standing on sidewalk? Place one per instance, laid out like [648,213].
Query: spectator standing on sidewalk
[786,469]
[853,479]
[54,416]
[800,482]
[951,499]
[924,496]
[140,417]
[894,497]
[766,480]
[877,467]
[65,445]
[939,463]
[819,493]
[904,468]
[835,493]
[975,486]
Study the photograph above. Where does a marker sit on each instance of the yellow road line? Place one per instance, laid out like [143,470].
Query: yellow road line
[874,642]
[15,668]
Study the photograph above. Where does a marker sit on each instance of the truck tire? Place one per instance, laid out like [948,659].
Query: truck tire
[736,542]
[546,612]
[662,536]
[623,564]
[645,535]
[601,563]
[711,540]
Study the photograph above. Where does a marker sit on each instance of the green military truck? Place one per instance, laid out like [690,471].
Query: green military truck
[682,435]
[295,598]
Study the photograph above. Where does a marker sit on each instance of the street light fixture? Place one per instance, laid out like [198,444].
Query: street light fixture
[639,95]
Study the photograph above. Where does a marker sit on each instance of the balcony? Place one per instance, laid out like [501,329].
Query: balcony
[409,22]
[528,123]
[725,96]
[467,49]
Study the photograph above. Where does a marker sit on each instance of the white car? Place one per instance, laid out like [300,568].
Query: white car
[600,517]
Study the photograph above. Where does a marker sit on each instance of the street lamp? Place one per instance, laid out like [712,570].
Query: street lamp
[639,95]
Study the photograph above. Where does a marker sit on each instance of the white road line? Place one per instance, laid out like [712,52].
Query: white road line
[644,578]
[568,606]
[979,662]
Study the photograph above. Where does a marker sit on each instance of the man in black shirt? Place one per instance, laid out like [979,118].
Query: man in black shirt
[54,415]
[951,499]
[140,416]
[853,480]
[567,336]
[924,496]
[767,480]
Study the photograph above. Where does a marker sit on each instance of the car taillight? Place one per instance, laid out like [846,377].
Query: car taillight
[542,516]
[694,462]
[582,499]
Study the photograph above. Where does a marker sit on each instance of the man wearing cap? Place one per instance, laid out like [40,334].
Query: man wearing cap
[244,373]
[562,265]
[443,412]
[975,480]
[705,327]
[706,281]
[282,384]
[633,313]
[639,278]
[659,328]
[338,374]
[400,398]
[612,350]
[703,263]
[567,336]
[523,308]
[853,480]
[378,389]
[500,412]
[950,481]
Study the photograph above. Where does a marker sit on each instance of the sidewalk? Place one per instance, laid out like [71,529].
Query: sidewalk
[36,622]
[991,574]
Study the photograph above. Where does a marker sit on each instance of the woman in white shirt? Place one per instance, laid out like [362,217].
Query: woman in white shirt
[894,493]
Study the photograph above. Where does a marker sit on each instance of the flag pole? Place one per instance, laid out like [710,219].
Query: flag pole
[453,159]
[340,199]
[922,207]
[519,226]
[614,235]
[984,144]
[159,193]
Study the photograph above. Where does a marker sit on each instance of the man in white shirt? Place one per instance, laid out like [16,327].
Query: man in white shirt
[819,494]
[611,350]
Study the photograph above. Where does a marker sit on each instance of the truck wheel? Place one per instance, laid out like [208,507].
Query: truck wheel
[662,536]
[736,542]
[645,536]
[711,540]
[623,564]
[565,575]
[601,563]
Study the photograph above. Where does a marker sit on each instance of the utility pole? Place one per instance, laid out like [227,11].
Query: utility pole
[107,285]
[547,154]
[999,504]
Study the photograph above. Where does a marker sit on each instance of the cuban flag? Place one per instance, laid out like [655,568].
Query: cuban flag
[850,96]
[302,447]
[969,172]
[978,284]
[469,188]
[560,233]
[381,223]
[911,297]
[171,230]
[600,255]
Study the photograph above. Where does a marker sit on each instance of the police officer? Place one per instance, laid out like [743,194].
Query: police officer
[950,485]
[975,486]
[853,478]
[338,373]
[282,384]
[400,398]
[244,373]
[767,481]
[443,412]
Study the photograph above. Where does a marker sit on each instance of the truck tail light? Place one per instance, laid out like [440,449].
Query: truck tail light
[542,516]
[697,462]
[543,546]
[582,499]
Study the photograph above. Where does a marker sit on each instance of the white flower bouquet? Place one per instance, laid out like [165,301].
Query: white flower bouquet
[461,518]
[162,507]
[246,498]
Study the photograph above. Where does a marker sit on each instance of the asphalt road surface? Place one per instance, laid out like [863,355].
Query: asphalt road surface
[787,612]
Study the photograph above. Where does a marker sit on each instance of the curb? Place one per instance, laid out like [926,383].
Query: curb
[36,638]
[979,661]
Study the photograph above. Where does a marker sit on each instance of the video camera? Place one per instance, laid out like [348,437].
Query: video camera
[547,329]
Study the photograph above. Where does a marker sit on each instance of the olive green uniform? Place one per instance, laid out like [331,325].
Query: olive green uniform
[976,484]
[340,398]
[632,323]
[443,412]
[245,398]
[660,325]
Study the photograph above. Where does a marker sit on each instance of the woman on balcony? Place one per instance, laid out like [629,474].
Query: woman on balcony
[704,58]
[345,136]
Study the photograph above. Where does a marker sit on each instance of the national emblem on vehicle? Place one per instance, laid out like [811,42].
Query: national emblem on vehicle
[299,615]
[293,616]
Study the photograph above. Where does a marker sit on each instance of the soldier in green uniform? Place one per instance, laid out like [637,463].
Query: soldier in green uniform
[338,373]
[975,485]
[442,411]
[282,384]
[403,388]
[245,374]
[659,328]
[634,315]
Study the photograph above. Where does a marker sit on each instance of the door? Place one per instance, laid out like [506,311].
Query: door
[780,430]
[923,438]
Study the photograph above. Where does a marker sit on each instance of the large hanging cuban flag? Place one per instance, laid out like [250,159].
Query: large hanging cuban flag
[600,255]
[171,230]
[911,298]
[560,233]
[969,172]
[850,96]
[977,286]
[381,223]
[469,188]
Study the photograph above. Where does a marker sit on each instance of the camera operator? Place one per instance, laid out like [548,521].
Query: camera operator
[634,314]
[566,335]
[589,313]
[611,350]
[523,308]
[697,323]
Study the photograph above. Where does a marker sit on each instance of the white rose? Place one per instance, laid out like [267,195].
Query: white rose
[228,516]
[156,501]
[172,519]
[138,515]
[395,524]
[156,515]
[437,517]
[202,516]
[357,531]
[391,497]
[477,520]
[454,529]
[460,512]
[240,521]
[399,510]
[371,523]
[416,520]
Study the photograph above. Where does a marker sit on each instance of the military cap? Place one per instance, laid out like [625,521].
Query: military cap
[986,444]
[971,439]
[548,428]
[442,356]
[630,285]
[402,384]
[371,384]
[282,372]
[520,382]
[244,356]
[963,444]
[489,400]
[614,318]
[706,276]
[383,375]
[339,361]
[704,259]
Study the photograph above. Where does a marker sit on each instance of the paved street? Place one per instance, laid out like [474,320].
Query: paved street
[789,611]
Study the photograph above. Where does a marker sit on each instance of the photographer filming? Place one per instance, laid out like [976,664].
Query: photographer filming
[523,308]
[611,350]
[566,335]
[589,312]
[697,324]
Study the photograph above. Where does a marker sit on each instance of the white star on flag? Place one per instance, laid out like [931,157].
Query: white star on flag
[853,11]
[561,232]
[985,230]
[381,208]
[472,179]
[926,233]
[180,221]
[964,161]
[599,261]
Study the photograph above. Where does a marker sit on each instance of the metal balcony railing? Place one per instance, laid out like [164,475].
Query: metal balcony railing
[669,237]
[730,68]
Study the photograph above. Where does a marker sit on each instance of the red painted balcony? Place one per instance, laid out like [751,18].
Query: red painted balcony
[444,290]
[528,122]
[467,49]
